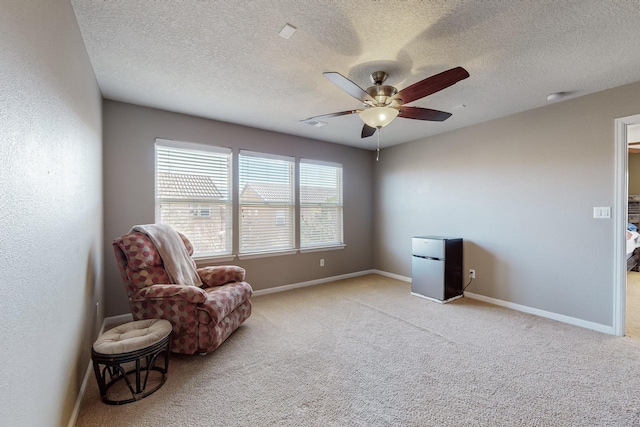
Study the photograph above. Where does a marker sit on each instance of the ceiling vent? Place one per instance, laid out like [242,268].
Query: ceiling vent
[287,31]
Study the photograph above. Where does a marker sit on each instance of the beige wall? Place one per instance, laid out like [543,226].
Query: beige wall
[130,133]
[51,215]
[520,190]
[634,173]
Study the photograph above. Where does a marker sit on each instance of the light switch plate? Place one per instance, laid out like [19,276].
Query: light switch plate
[602,212]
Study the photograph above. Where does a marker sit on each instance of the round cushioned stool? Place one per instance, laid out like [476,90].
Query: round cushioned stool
[132,343]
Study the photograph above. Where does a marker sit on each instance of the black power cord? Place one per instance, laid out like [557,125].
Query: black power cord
[470,280]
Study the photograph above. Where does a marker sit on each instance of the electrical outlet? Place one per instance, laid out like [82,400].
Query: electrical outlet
[322,262]
[472,274]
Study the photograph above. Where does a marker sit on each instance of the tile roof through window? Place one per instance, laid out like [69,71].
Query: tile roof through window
[187,186]
[282,192]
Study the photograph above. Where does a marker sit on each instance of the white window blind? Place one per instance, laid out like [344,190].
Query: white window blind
[320,204]
[193,194]
[266,202]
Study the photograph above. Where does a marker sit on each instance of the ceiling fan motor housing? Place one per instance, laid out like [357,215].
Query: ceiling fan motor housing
[378,77]
[381,93]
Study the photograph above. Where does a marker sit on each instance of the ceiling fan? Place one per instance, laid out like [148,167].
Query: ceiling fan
[382,103]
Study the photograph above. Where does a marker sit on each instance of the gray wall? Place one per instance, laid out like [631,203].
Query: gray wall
[520,190]
[129,137]
[51,216]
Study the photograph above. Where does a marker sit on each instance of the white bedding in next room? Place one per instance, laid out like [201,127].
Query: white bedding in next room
[632,242]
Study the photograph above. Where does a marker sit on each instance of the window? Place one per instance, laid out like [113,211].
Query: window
[193,194]
[266,202]
[320,204]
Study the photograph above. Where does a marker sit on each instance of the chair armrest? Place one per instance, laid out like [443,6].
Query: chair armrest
[218,275]
[188,293]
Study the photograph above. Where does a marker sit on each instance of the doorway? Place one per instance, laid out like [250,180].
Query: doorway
[623,127]
[632,305]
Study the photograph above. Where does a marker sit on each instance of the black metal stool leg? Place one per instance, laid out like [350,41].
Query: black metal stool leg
[113,366]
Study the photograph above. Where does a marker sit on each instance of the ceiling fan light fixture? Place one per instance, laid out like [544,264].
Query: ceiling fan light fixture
[378,117]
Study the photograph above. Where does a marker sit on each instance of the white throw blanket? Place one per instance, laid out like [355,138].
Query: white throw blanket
[173,252]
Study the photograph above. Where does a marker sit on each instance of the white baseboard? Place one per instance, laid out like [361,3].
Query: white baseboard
[542,313]
[523,308]
[391,275]
[76,408]
[518,307]
[311,282]
[122,318]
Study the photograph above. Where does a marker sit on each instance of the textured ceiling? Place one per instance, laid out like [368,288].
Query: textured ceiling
[224,59]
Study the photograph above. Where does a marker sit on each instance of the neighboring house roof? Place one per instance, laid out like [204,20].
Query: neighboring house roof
[309,194]
[263,191]
[184,186]
[282,193]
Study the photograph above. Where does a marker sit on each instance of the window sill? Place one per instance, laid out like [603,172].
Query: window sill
[322,248]
[204,260]
[267,254]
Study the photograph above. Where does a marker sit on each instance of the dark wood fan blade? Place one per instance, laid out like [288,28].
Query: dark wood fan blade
[328,116]
[432,84]
[367,131]
[423,114]
[348,86]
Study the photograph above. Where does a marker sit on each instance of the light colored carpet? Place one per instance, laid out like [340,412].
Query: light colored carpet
[364,352]
[633,305]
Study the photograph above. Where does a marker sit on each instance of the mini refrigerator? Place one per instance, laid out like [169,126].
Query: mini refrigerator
[436,268]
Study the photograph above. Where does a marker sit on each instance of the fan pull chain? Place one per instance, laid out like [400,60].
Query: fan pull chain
[378,150]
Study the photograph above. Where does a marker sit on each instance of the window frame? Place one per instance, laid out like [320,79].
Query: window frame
[233,205]
[199,203]
[338,205]
[278,207]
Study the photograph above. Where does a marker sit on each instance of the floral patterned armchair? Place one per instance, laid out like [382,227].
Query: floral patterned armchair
[202,317]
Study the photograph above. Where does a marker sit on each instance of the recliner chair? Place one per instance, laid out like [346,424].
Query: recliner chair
[202,317]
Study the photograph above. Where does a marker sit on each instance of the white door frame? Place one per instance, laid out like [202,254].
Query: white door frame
[620,222]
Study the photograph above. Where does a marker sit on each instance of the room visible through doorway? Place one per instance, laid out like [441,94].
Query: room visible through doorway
[632,294]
